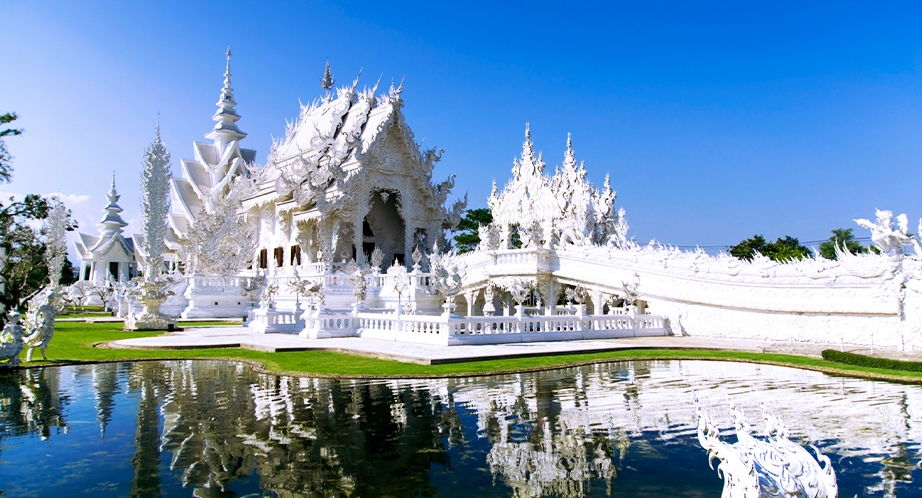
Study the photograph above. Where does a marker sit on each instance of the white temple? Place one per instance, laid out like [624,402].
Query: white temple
[348,177]
[342,233]
[108,254]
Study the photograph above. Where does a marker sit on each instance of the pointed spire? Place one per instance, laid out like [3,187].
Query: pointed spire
[533,165]
[327,81]
[569,157]
[113,194]
[226,131]
[111,222]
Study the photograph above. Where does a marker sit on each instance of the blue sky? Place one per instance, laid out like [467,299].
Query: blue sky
[716,120]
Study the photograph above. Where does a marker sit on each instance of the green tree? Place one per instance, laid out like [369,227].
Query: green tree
[469,237]
[24,269]
[6,167]
[841,237]
[784,249]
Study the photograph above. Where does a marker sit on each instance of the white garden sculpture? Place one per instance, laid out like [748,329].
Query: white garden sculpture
[41,326]
[11,342]
[155,204]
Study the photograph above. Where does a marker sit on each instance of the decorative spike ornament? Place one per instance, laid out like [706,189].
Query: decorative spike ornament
[155,204]
[56,244]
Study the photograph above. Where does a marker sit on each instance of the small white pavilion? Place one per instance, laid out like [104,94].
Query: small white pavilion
[109,253]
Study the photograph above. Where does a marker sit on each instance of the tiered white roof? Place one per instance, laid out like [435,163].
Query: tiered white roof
[207,177]
[110,243]
[334,139]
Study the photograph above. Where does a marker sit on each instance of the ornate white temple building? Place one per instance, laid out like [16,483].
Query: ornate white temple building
[343,233]
[109,254]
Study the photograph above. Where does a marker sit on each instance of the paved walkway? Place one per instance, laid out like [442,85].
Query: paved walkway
[232,337]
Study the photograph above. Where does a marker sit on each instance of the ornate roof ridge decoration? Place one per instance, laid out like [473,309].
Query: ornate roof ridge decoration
[322,152]
[565,207]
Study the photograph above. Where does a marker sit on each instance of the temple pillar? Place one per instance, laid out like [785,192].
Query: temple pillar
[470,295]
[408,241]
[597,303]
[358,238]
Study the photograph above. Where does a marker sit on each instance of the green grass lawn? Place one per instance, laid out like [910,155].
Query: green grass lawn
[74,342]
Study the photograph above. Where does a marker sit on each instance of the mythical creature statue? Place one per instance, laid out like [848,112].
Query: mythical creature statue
[443,189]
[775,466]
[888,240]
[453,216]
[519,288]
[447,271]
[41,328]
[11,342]
[431,157]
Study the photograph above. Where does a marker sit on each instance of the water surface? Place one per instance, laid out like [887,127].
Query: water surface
[209,428]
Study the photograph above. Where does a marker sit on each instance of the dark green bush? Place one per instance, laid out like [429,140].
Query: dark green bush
[869,361]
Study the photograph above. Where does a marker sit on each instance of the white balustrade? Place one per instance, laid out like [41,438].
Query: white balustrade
[450,330]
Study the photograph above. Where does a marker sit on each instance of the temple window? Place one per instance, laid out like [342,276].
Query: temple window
[264,258]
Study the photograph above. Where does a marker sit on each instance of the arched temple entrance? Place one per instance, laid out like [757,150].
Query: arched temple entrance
[384,227]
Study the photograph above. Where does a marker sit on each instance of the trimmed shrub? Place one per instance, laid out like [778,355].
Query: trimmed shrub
[870,361]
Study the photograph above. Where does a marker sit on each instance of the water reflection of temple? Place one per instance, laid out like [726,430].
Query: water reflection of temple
[562,433]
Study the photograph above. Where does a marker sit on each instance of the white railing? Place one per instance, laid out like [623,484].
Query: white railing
[450,330]
[219,281]
[266,321]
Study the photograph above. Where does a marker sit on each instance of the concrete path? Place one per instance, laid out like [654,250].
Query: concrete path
[232,337]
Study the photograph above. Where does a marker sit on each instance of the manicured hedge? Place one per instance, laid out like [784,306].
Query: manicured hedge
[871,362]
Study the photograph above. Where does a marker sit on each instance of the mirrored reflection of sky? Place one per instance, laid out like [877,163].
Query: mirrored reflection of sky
[716,121]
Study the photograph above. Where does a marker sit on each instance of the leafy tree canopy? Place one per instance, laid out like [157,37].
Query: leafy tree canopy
[784,249]
[841,237]
[24,270]
[6,167]
[469,237]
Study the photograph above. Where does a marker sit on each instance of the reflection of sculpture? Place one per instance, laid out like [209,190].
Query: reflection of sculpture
[41,327]
[11,342]
[776,465]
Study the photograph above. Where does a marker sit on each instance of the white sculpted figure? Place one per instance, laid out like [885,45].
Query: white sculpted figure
[41,327]
[269,292]
[11,342]
[447,270]
[888,240]
[776,465]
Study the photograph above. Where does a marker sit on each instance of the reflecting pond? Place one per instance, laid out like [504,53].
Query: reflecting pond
[208,428]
